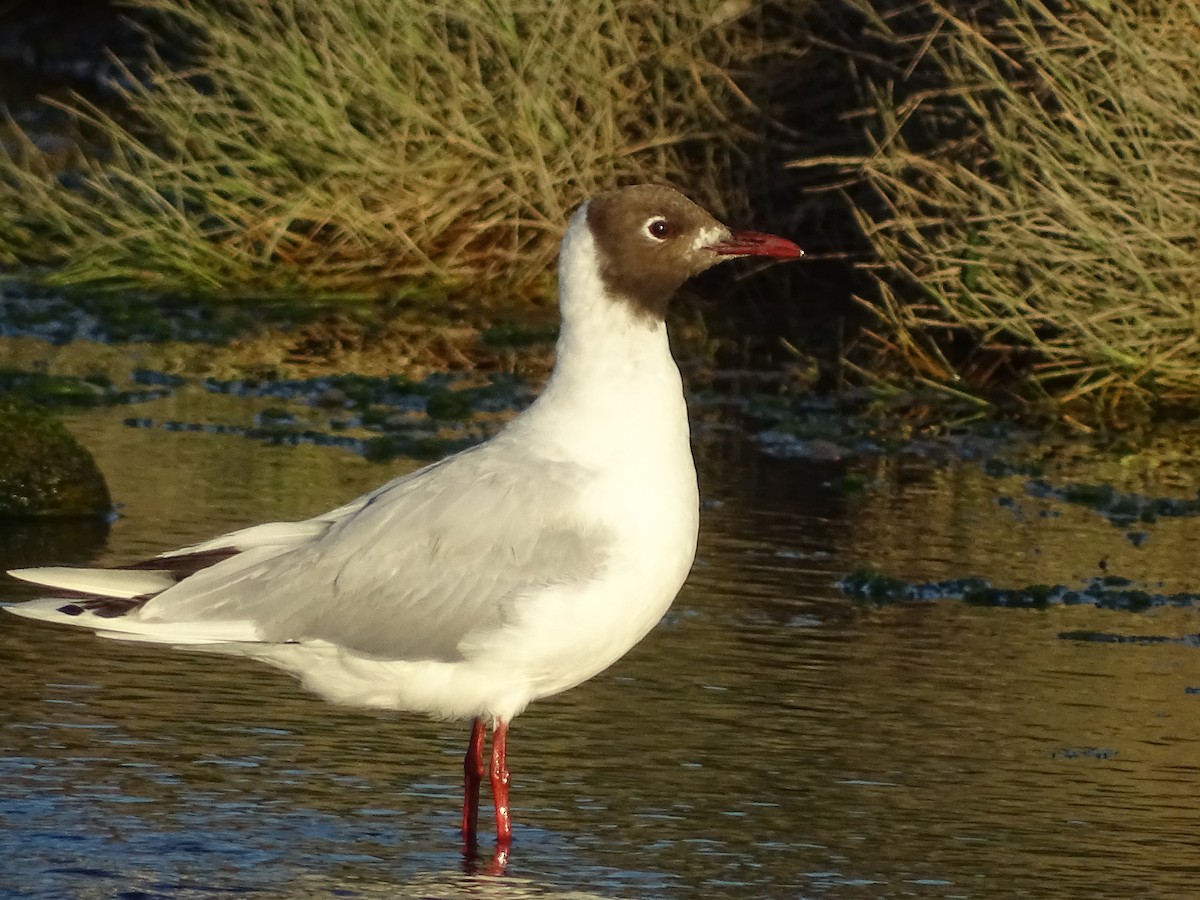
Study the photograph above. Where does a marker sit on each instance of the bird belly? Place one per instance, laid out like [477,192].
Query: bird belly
[563,635]
[556,637]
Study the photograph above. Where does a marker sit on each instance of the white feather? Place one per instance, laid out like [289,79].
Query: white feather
[129,628]
[123,583]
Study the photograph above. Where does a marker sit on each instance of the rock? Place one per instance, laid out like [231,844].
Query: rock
[44,471]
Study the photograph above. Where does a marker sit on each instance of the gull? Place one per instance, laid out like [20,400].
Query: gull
[508,572]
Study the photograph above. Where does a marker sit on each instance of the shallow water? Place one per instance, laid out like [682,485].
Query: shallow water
[774,737]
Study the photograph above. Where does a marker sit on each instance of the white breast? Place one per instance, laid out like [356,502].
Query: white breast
[614,405]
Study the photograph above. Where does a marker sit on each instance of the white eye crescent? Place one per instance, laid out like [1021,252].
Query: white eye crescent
[658,228]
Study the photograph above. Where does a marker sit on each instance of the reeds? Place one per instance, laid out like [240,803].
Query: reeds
[1035,197]
[356,147]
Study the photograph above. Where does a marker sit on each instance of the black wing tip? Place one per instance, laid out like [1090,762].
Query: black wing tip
[183,565]
[105,607]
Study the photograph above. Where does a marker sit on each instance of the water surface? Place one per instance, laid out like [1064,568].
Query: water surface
[774,737]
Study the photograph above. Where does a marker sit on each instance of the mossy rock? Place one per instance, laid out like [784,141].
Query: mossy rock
[44,471]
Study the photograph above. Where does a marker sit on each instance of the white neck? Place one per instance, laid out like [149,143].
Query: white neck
[615,389]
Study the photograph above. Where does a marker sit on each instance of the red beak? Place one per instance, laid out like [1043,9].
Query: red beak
[754,243]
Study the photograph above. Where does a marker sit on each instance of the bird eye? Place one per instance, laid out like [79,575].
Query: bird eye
[658,228]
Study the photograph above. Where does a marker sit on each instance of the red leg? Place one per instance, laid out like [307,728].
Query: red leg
[472,777]
[499,774]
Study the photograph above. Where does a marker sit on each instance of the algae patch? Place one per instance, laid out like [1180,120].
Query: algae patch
[1109,592]
[378,418]
[1122,509]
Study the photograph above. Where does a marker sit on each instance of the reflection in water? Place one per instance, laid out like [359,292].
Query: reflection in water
[772,738]
[69,541]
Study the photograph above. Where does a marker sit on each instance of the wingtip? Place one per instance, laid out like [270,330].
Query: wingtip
[47,576]
[45,610]
[24,575]
[121,583]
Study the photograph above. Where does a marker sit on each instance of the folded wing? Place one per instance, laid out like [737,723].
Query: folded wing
[407,571]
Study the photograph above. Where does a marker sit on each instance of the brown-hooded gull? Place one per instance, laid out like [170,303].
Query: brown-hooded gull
[504,573]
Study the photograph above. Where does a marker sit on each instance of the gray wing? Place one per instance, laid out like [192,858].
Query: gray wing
[415,567]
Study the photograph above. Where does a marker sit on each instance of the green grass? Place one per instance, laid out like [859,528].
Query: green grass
[355,147]
[1027,192]
[1034,198]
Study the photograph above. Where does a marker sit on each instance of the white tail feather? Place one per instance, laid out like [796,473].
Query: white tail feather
[132,628]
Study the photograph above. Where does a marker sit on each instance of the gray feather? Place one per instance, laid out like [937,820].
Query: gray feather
[420,565]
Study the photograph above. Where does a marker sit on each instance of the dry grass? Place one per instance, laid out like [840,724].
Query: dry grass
[349,148]
[1035,197]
